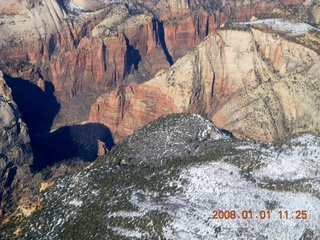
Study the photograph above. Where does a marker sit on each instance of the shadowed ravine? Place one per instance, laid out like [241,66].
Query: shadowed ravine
[77,142]
[39,108]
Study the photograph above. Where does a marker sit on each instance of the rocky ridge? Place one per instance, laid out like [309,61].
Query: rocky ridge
[112,43]
[16,156]
[174,197]
[252,83]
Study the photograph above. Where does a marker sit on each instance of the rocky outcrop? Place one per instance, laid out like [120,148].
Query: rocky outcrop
[129,108]
[85,54]
[284,102]
[251,83]
[15,153]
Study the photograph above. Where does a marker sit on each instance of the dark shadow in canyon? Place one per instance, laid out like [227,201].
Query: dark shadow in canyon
[133,58]
[161,37]
[37,107]
[77,142]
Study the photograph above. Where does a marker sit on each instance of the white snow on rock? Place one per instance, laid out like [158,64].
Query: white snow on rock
[75,8]
[127,233]
[300,159]
[209,129]
[219,186]
[76,203]
[285,26]
[126,214]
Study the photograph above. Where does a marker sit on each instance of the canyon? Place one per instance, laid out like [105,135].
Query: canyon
[251,83]
[85,54]
[78,76]
[17,182]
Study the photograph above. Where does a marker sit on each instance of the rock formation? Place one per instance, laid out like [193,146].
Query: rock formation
[251,83]
[86,49]
[15,153]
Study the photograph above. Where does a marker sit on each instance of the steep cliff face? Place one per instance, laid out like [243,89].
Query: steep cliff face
[85,54]
[15,153]
[128,108]
[251,83]
[102,49]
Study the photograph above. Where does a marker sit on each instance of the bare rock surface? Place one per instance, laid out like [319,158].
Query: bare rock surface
[16,155]
[87,48]
[252,83]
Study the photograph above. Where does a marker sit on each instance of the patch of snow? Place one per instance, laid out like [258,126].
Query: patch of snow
[300,160]
[209,129]
[75,8]
[219,186]
[95,192]
[126,214]
[76,203]
[126,232]
[286,26]
[246,147]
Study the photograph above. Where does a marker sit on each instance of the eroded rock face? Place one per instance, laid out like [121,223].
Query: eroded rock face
[16,7]
[129,108]
[87,54]
[15,153]
[251,83]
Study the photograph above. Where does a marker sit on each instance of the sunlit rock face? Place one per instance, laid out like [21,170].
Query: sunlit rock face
[87,48]
[252,83]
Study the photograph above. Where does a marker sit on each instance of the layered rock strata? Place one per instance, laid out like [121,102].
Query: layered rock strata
[251,83]
[84,54]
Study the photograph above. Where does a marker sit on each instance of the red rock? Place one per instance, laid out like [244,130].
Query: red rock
[82,65]
[129,108]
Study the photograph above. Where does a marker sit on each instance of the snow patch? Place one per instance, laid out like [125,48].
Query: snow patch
[299,159]
[76,203]
[220,186]
[126,214]
[209,130]
[127,233]
[286,26]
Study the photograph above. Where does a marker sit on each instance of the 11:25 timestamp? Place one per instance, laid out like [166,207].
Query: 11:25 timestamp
[263,214]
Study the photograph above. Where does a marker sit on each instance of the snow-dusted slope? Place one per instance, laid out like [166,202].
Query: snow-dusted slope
[296,160]
[170,136]
[268,191]
[289,27]
[219,186]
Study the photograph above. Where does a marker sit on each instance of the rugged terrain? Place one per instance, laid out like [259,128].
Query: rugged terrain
[88,74]
[172,194]
[250,82]
[59,57]
[113,43]
[17,182]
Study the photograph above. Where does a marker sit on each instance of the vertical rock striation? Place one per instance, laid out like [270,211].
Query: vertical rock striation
[85,54]
[15,153]
[251,83]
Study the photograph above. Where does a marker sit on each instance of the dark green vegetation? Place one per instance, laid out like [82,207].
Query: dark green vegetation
[138,163]
[103,202]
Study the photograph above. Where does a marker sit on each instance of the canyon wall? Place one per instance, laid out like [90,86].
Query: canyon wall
[85,54]
[16,155]
[252,83]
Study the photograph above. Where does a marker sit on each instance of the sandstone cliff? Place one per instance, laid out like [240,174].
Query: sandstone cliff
[15,153]
[251,83]
[86,48]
